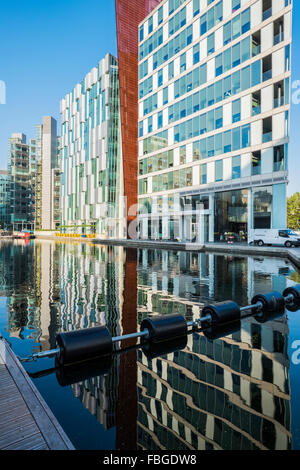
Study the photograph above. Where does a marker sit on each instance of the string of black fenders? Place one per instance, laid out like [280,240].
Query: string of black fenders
[83,353]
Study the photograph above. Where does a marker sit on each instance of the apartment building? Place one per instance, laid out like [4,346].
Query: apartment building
[46,182]
[214,106]
[91,155]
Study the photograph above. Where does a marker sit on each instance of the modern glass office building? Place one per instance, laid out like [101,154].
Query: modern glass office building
[91,155]
[214,103]
[21,170]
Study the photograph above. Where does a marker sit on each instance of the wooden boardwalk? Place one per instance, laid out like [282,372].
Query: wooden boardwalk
[26,422]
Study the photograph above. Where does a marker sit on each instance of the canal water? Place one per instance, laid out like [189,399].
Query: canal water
[238,391]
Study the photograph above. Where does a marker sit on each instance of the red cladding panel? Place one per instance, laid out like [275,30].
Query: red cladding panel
[129,13]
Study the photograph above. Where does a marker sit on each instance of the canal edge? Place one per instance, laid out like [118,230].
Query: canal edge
[52,432]
[273,252]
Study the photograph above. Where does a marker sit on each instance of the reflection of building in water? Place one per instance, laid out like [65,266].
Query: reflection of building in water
[231,393]
[48,293]
[20,274]
[29,278]
[181,281]
[91,284]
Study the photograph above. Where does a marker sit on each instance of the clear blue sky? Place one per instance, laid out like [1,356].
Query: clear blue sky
[47,47]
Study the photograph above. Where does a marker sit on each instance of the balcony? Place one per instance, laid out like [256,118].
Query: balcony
[267,14]
[267,75]
[267,137]
[278,102]
[256,110]
[278,38]
[278,166]
[256,170]
[256,49]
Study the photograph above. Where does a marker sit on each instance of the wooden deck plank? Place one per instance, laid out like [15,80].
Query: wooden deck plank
[9,413]
[17,435]
[18,423]
[26,422]
[35,442]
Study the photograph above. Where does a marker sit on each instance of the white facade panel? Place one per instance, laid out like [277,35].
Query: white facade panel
[160,99]
[246,160]
[227,8]
[277,6]
[267,36]
[256,132]
[256,13]
[196,29]
[196,175]
[189,12]
[189,153]
[211,69]
[171,136]
[279,126]
[278,62]
[219,38]
[227,169]
[267,161]
[287,25]
[177,66]
[189,58]
[171,92]
[203,49]
[227,114]
[246,107]
[267,100]
[210,172]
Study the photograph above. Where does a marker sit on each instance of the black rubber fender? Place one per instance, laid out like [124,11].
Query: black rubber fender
[83,345]
[271,302]
[164,327]
[222,312]
[295,292]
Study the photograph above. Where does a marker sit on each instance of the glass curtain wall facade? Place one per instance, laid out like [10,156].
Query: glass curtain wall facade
[21,195]
[5,183]
[91,155]
[213,118]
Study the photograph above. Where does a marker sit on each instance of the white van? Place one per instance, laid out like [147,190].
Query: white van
[281,237]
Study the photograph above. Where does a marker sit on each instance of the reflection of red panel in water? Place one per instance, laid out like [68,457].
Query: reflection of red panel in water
[129,13]
[127,393]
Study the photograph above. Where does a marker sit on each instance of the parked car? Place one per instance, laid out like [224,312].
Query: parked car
[281,237]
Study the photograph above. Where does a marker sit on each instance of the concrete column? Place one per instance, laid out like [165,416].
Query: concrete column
[250,212]
[211,218]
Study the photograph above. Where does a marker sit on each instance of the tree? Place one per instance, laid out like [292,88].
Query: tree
[293,211]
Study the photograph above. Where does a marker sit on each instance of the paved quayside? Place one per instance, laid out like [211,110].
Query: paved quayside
[26,421]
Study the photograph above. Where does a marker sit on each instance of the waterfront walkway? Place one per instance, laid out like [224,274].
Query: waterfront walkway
[26,422]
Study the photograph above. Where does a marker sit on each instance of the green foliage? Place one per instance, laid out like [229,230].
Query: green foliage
[293,211]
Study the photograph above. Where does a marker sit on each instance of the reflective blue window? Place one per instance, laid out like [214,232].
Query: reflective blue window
[160,120]
[236,167]
[236,139]
[219,170]
[256,73]
[236,111]
[196,54]
[246,136]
